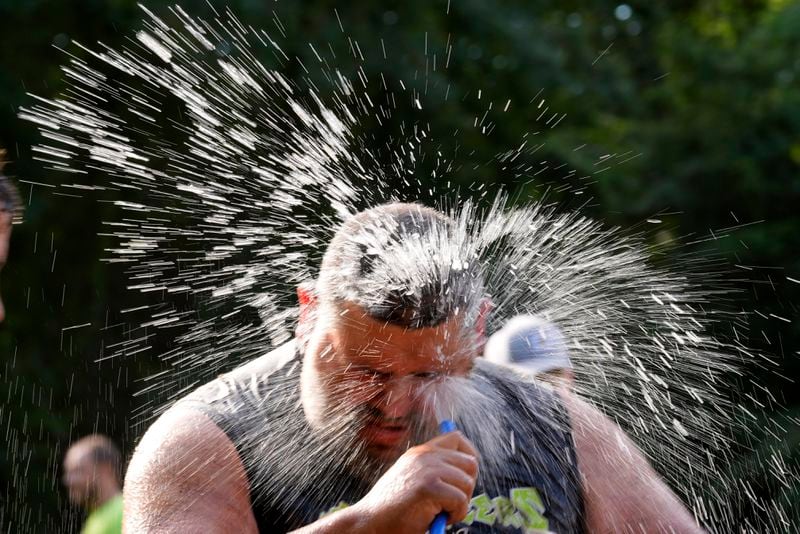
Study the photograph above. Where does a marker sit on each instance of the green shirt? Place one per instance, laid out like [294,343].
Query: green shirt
[106,519]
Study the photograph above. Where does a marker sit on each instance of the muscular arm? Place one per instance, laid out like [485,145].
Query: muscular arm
[186,477]
[623,493]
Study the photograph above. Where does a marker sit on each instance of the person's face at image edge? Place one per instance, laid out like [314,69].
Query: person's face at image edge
[5,241]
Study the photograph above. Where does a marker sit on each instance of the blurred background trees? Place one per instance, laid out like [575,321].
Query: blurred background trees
[695,103]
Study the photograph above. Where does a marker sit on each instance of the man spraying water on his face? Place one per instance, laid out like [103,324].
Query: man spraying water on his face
[336,431]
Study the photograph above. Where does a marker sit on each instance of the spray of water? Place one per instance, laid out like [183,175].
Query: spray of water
[259,170]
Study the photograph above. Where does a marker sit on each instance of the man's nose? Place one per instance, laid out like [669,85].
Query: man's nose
[397,399]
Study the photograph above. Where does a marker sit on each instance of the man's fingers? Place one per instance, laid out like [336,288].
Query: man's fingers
[454,440]
[458,478]
[455,468]
[465,462]
[453,501]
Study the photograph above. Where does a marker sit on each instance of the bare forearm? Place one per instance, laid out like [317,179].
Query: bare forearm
[622,491]
[345,520]
[629,514]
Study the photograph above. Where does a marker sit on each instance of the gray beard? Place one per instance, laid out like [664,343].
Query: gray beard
[337,429]
[341,432]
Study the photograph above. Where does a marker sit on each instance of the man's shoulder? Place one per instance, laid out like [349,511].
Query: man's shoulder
[510,383]
[175,431]
[184,454]
[524,402]
[248,379]
[274,360]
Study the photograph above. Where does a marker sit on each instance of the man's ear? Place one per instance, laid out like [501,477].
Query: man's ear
[484,310]
[307,298]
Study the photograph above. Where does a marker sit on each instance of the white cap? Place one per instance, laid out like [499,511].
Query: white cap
[529,344]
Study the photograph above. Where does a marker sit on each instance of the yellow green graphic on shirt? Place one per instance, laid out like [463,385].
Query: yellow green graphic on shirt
[523,509]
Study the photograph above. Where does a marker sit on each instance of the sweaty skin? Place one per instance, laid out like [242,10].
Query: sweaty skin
[380,366]
[622,492]
[186,476]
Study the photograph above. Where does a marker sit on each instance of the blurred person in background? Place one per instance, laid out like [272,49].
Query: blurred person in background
[532,346]
[92,469]
[10,207]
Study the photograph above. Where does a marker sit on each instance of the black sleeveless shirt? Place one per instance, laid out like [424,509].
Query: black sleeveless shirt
[295,477]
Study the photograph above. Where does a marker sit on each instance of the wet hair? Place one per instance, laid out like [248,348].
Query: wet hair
[401,263]
[9,196]
[102,450]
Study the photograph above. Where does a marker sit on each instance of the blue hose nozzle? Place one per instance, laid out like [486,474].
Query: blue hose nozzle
[440,521]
